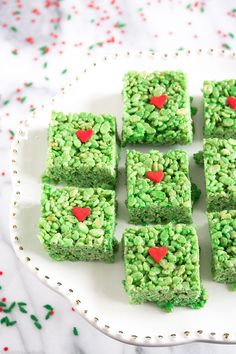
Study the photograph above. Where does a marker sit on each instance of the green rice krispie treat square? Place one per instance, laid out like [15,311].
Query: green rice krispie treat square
[77,224]
[162,264]
[219,109]
[156,108]
[222,227]
[158,187]
[220,173]
[82,150]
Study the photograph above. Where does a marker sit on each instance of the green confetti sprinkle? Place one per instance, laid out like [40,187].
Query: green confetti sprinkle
[34,318]
[231,35]
[44,50]
[46,78]
[226,46]
[14,29]
[38,325]
[69,17]
[6,102]
[56,27]
[75,331]
[22,100]
[10,308]
[2,304]
[14,52]
[64,71]
[45,65]
[181,48]
[11,133]
[21,306]
[48,315]
[5,320]
[120,25]
[48,307]
[29,84]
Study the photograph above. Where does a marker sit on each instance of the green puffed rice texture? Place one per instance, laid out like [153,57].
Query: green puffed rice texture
[62,233]
[175,278]
[90,164]
[143,122]
[169,200]
[222,227]
[220,118]
[220,173]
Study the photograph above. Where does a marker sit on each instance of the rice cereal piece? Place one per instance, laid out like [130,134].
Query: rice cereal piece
[156,108]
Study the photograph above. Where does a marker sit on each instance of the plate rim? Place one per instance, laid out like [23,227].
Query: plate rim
[147,341]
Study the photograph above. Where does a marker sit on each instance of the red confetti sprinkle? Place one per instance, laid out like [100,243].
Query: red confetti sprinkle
[52,313]
[81,213]
[30,40]
[3,173]
[157,253]
[155,176]
[231,101]
[84,135]
[4,299]
[158,101]
[5,349]
[1,309]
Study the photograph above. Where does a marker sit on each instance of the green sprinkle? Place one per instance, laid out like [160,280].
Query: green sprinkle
[231,35]
[22,100]
[10,308]
[5,102]
[14,29]
[48,315]
[46,78]
[38,325]
[5,320]
[69,17]
[29,84]
[45,65]
[14,52]
[21,306]
[48,307]
[64,71]
[34,318]
[226,46]
[75,331]
[2,304]
[11,133]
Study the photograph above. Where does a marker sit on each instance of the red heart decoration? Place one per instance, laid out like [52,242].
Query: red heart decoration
[81,213]
[231,101]
[158,101]
[157,253]
[155,176]
[84,135]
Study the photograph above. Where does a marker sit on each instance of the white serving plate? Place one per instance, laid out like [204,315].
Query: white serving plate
[95,289]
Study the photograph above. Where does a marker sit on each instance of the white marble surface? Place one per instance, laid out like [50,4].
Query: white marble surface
[115,25]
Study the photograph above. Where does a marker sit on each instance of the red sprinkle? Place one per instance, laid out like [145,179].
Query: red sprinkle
[84,135]
[81,213]
[1,309]
[4,299]
[155,176]
[158,253]
[30,40]
[158,101]
[5,349]
[231,101]
[52,313]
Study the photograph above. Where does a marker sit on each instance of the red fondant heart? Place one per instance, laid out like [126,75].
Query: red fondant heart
[81,213]
[158,101]
[155,176]
[231,101]
[158,253]
[84,135]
